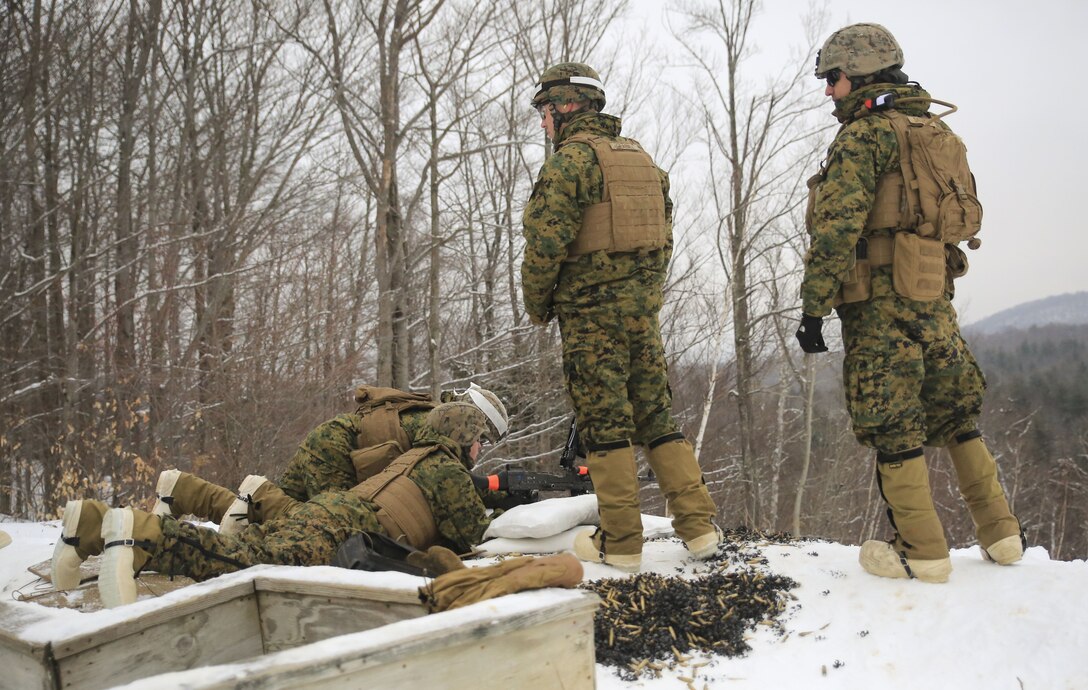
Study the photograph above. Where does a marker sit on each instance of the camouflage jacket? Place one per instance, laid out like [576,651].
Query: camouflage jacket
[569,181]
[864,149]
[444,479]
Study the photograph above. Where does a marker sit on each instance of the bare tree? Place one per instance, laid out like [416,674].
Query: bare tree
[755,137]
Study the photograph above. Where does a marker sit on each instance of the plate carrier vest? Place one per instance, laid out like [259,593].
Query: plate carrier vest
[403,511]
[631,214]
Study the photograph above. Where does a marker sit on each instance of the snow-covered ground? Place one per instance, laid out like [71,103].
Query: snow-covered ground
[1017,627]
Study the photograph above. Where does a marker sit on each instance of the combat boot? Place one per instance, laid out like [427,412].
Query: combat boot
[882,559]
[129,538]
[180,493]
[618,541]
[80,537]
[1005,551]
[997,529]
[258,500]
[673,462]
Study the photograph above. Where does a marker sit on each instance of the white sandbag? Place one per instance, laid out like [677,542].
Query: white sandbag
[656,526]
[652,526]
[544,518]
[564,541]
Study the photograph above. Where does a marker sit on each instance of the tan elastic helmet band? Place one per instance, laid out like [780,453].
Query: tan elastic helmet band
[488,409]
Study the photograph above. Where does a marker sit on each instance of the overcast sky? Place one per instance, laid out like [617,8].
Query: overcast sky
[1011,66]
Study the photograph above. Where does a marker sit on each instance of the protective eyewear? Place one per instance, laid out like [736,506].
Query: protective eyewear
[832,77]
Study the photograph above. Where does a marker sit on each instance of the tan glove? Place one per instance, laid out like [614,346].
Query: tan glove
[436,560]
[470,585]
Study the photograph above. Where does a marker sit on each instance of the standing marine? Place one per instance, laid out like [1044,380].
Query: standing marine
[598,240]
[891,203]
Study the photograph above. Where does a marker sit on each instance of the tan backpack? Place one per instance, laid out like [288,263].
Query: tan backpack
[929,205]
[381,437]
[939,196]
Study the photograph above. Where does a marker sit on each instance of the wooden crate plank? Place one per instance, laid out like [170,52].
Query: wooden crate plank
[22,670]
[201,598]
[543,642]
[224,632]
[23,664]
[291,620]
[557,655]
[86,599]
[407,594]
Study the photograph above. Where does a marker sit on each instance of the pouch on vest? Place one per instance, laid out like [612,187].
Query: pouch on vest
[372,396]
[813,184]
[918,267]
[371,460]
[857,286]
[379,414]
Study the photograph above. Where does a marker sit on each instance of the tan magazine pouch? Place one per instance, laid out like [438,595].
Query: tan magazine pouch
[857,286]
[918,267]
[813,184]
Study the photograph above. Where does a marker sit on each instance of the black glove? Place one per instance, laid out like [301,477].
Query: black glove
[809,335]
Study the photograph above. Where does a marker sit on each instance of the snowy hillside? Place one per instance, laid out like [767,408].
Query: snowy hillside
[989,627]
[1070,308]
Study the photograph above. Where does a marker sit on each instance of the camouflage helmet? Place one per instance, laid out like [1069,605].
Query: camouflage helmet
[461,422]
[487,402]
[570,82]
[859,50]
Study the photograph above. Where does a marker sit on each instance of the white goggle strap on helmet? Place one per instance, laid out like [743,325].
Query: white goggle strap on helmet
[567,81]
[488,409]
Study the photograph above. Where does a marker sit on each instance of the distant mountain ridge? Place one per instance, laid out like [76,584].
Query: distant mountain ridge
[1070,309]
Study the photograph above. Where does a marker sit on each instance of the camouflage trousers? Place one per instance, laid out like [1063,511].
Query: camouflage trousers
[615,370]
[323,460]
[909,378]
[309,536]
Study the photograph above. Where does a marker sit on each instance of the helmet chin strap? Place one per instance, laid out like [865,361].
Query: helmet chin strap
[560,119]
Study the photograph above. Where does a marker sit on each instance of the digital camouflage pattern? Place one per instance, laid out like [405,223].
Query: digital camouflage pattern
[569,93]
[909,377]
[323,459]
[607,304]
[908,374]
[313,532]
[859,50]
[462,422]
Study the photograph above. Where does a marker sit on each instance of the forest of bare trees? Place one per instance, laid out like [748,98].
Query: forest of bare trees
[216,218]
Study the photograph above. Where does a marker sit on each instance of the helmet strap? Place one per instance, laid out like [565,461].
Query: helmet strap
[560,119]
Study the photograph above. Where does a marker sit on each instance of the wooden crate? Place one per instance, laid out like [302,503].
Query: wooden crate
[289,627]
